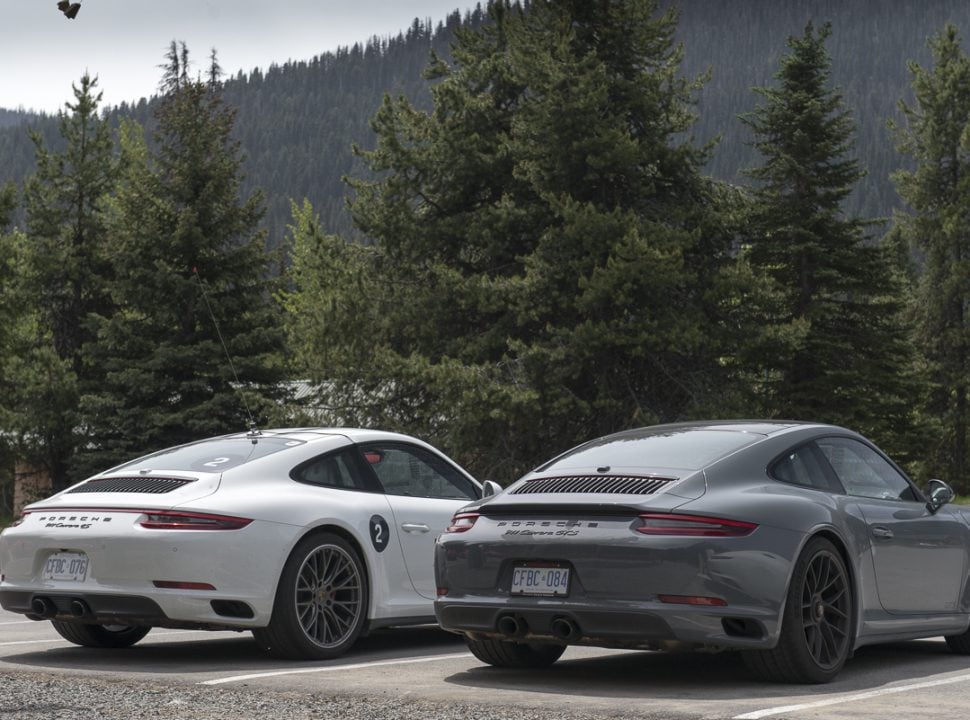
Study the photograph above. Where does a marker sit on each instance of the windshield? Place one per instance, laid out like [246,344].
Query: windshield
[210,455]
[686,449]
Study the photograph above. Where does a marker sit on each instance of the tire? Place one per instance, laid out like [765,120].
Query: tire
[321,601]
[100,636]
[817,626]
[504,653]
[960,644]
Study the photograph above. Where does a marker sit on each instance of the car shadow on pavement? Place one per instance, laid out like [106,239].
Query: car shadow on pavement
[710,676]
[200,652]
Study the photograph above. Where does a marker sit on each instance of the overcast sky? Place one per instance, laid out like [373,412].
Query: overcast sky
[42,52]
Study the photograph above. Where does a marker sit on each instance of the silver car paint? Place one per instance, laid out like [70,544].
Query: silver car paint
[618,574]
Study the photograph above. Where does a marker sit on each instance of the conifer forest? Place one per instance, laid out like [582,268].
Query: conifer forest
[505,232]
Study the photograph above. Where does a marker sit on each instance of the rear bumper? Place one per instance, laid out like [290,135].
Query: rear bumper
[106,609]
[642,627]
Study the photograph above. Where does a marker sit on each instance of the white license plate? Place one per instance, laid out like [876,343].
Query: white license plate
[69,566]
[540,580]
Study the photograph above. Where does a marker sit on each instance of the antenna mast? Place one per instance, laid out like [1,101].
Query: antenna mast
[253,429]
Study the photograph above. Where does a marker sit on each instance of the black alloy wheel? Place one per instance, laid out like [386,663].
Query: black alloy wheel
[825,610]
[816,633]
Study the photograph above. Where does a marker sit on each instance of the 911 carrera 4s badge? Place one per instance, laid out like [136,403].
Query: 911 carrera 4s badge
[380,533]
[72,522]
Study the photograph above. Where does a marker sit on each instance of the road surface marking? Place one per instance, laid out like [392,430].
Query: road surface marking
[334,668]
[59,639]
[851,697]
[32,642]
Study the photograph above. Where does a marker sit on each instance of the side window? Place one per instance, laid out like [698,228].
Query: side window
[863,471]
[413,471]
[801,466]
[334,470]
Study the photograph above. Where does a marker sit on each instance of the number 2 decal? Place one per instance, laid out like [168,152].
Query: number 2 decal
[379,533]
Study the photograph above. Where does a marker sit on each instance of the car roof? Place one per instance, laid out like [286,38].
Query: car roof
[760,427]
[310,433]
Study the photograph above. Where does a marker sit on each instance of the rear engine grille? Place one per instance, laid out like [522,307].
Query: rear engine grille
[612,484]
[151,485]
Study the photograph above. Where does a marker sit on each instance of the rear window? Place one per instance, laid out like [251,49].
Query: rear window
[210,455]
[687,449]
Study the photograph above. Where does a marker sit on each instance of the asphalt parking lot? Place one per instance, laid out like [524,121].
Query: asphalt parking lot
[417,665]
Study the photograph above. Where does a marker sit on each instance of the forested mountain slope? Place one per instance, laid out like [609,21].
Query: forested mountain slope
[872,41]
[297,121]
[13,117]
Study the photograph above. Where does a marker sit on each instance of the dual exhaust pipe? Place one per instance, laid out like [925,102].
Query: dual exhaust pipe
[44,608]
[561,628]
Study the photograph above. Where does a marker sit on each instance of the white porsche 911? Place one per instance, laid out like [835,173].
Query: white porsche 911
[307,537]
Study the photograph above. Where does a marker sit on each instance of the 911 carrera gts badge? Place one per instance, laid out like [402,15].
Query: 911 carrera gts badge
[557,528]
[379,532]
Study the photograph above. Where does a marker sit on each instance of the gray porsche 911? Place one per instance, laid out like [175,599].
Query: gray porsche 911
[793,543]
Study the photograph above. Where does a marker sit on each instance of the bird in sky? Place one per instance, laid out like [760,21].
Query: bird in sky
[68,8]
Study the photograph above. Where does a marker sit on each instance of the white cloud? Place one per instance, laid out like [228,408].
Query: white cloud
[124,41]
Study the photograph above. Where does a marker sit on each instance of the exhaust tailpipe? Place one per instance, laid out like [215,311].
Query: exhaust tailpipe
[79,608]
[512,626]
[565,629]
[43,607]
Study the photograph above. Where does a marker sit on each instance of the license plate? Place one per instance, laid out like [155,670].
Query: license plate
[70,566]
[540,580]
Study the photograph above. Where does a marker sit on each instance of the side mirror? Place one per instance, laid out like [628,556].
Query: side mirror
[490,487]
[938,494]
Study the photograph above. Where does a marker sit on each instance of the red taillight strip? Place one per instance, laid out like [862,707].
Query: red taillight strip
[177,520]
[693,525]
[462,522]
[156,519]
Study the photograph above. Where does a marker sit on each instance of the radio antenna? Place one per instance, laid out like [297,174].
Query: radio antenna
[253,429]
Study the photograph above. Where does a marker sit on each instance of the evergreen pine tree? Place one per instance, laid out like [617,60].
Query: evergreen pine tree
[937,137]
[547,252]
[186,242]
[60,285]
[838,350]
[8,316]
[8,202]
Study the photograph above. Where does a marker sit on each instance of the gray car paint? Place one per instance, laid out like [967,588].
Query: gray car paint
[912,585]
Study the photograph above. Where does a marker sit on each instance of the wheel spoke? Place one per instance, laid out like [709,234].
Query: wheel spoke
[829,642]
[835,610]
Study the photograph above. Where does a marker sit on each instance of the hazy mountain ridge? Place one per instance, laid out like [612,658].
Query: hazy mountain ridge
[14,117]
[297,121]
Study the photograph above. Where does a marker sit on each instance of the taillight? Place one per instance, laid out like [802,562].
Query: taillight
[692,525]
[462,522]
[177,520]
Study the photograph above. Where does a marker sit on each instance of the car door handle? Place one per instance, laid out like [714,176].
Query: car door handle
[415,528]
[882,533]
